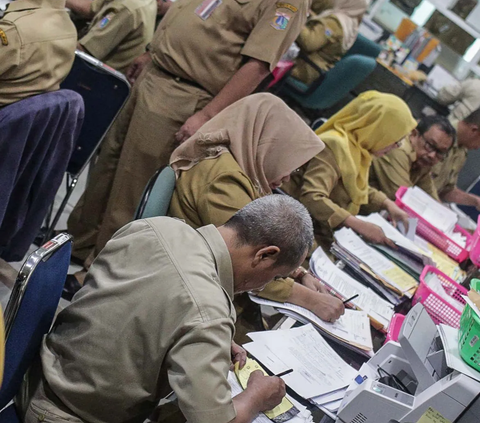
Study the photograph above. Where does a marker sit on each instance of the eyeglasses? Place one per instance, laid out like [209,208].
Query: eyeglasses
[432,148]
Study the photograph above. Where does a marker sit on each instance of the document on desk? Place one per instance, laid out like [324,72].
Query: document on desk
[376,262]
[317,368]
[352,328]
[376,307]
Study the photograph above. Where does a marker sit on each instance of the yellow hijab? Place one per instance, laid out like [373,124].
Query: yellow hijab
[367,124]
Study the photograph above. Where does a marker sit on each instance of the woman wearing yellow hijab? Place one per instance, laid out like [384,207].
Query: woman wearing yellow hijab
[334,184]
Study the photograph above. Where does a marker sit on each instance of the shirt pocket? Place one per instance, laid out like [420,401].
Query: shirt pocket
[230,13]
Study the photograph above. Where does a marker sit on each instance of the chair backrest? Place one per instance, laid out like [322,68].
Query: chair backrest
[157,195]
[347,74]
[104,91]
[31,309]
[365,47]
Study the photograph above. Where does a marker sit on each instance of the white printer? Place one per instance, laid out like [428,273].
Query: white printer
[410,377]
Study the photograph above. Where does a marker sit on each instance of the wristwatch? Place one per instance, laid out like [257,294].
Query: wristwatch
[299,273]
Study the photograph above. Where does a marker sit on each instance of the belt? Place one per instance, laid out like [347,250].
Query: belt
[180,79]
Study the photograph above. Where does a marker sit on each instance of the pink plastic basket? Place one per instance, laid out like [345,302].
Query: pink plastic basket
[475,245]
[434,235]
[440,310]
[394,327]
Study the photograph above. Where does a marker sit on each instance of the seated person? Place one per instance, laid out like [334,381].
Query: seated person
[327,37]
[156,314]
[162,8]
[242,154]
[411,164]
[445,173]
[465,96]
[333,185]
[119,30]
[37,48]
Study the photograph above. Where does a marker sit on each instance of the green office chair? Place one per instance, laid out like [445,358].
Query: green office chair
[157,195]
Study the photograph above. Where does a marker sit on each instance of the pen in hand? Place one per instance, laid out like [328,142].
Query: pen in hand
[350,299]
[286,372]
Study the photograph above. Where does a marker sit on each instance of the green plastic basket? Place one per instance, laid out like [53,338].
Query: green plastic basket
[469,335]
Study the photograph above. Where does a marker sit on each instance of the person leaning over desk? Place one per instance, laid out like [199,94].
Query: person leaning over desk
[242,154]
[205,55]
[333,185]
[412,163]
[464,95]
[119,30]
[327,36]
[156,314]
[445,173]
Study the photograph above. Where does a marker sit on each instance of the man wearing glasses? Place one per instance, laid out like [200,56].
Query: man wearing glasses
[411,163]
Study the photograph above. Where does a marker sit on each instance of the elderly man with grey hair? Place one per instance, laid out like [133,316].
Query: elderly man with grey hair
[156,315]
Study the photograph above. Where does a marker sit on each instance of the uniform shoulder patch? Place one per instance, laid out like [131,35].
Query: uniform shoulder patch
[328,32]
[286,6]
[3,37]
[280,21]
[105,20]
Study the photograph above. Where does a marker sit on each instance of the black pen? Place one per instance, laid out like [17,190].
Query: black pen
[350,299]
[286,372]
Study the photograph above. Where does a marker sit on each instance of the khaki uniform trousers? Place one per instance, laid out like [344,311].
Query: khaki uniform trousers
[140,141]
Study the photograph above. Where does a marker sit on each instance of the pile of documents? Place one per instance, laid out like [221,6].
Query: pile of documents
[372,267]
[433,212]
[319,374]
[444,291]
[351,330]
[344,286]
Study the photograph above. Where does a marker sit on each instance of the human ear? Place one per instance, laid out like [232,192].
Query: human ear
[265,254]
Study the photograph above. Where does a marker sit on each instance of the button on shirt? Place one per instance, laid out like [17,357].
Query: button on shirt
[204,41]
[37,48]
[155,314]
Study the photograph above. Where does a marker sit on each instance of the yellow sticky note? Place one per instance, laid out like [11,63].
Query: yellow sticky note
[433,416]
[244,374]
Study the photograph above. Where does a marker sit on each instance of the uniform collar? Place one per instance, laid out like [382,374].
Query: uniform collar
[407,145]
[222,257]
[19,5]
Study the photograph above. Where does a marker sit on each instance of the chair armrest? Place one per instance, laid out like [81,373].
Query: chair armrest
[315,84]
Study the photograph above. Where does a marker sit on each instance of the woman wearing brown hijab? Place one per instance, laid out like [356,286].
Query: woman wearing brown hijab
[242,154]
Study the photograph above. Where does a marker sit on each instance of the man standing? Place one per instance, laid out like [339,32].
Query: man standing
[445,173]
[37,48]
[119,30]
[205,55]
[412,162]
[156,315]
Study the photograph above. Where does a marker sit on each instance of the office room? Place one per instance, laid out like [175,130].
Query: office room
[312,163]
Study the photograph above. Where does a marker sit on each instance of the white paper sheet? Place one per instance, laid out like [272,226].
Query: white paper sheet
[317,368]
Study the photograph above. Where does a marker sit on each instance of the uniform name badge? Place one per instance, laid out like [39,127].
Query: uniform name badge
[206,8]
[280,21]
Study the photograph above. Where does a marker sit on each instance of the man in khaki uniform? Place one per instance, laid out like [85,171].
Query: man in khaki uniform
[445,173]
[205,55]
[412,162]
[119,31]
[37,48]
[465,94]
[156,315]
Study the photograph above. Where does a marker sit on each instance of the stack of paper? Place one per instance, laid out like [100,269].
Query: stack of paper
[359,254]
[317,368]
[378,310]
[352,329]
[433,212]
[435,284]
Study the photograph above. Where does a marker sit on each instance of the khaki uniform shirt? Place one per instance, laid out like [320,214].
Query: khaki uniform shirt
[37,48]
[211,193]
[155,314]
[396,169]
[445,174]
[322,42]
[120,31]
[465,94]
[318,186]
[208,41]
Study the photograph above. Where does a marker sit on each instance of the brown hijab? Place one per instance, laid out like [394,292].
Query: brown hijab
[267,139]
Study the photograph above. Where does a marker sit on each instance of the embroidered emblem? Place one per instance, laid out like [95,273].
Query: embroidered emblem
[3,37]
[280,21]
[105,20]
[286,6]
[328,32]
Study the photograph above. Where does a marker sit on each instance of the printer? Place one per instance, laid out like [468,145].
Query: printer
[411,375]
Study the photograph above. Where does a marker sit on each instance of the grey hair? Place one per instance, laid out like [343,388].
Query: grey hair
[276,220]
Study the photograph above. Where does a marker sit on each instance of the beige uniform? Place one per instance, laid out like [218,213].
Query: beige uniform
[37,48]
[465,94]
[196,49]
[318,186]
[155,314]
[322,42]
[445,174]
[396,169]
[120,31]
